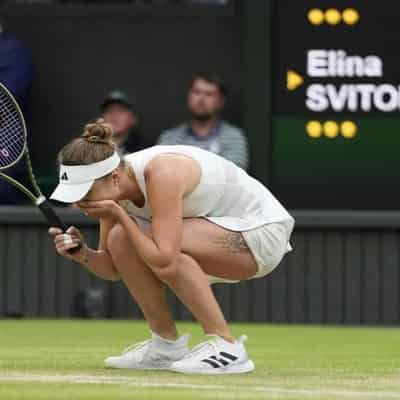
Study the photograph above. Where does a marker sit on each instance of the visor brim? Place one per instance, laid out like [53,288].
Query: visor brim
[71,193]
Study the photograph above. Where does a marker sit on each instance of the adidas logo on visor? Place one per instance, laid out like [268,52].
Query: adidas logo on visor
[223,360]
[64,176]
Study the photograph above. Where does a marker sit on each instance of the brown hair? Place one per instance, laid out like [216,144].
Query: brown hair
[210,77]
[95,144]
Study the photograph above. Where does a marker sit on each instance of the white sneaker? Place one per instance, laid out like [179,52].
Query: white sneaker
[216,356]
[155,353]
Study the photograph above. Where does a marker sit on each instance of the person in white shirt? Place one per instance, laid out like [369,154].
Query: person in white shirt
[175,216]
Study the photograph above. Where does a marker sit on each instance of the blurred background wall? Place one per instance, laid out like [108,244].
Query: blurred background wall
[342,190]
[81,52]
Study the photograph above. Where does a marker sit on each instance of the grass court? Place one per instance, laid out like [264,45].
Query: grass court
[63,359]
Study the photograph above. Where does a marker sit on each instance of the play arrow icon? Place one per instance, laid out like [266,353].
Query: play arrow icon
[293,80]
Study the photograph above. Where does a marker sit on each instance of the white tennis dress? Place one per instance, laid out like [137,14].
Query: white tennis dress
[227,196]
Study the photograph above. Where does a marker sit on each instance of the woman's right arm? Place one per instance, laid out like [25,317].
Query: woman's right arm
[99,262]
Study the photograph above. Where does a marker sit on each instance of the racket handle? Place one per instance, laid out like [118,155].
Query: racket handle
[52,218]
[47,210]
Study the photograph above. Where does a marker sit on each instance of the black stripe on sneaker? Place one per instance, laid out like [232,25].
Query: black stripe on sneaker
[221,360]
[228,356]
[212,363]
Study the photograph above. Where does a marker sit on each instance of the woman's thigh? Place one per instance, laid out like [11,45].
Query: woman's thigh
[218,251]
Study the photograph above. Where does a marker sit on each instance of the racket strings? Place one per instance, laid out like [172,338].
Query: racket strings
[9,119]
[12,130]
[11,143]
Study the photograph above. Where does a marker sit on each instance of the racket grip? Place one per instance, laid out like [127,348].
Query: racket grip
[52,218]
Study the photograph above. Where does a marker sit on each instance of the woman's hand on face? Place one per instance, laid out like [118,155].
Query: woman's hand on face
[101,209]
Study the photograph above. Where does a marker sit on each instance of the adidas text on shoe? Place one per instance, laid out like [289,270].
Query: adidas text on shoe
[214,357]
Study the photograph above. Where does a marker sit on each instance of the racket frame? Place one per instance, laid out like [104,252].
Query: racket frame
[39,200]
[21,116]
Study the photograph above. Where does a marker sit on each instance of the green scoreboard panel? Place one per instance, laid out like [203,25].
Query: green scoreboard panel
[336,104]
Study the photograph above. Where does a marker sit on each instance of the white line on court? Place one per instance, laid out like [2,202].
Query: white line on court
[140,382]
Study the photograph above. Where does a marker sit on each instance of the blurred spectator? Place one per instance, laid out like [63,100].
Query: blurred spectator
[16,73]
[118,110]
[206,129]
[16,67]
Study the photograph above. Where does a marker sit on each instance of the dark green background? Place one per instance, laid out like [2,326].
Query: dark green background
[372,153]
[359,173]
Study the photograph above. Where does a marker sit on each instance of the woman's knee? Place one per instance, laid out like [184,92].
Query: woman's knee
[167,274]
[123,254]
[117,241]
[171,274]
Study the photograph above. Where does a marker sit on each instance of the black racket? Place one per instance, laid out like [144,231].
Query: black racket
[13,147]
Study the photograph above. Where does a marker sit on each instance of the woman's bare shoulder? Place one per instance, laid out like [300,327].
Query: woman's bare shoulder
[174,166]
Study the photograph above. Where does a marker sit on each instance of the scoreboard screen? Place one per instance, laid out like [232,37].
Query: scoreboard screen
[336,104]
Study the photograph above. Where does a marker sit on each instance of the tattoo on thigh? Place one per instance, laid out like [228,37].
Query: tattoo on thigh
[233,242]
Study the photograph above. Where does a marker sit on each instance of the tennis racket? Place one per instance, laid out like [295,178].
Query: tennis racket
[13,147]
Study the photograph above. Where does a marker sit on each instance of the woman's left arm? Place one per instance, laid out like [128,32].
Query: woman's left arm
[165,191]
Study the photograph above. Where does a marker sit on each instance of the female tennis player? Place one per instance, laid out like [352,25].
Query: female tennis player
[177,217]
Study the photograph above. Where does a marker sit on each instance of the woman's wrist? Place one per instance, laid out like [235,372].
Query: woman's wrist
[84,255]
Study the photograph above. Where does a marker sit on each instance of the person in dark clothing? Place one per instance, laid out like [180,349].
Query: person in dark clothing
[16,73]
[119,112]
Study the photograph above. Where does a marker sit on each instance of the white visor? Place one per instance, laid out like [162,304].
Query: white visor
[75,181]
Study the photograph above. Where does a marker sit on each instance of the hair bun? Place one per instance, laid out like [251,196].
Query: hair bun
[98,132]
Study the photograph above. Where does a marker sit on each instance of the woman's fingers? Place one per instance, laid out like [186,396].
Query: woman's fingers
[93,208]
[55,231]
[94,212]
[59,232]
[68,246]
[93,203]
[63,248]
[72,229]
[74,232]
[65,241]
[63,238]
[97,208]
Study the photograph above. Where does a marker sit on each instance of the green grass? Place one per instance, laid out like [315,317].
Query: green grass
[292,362]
